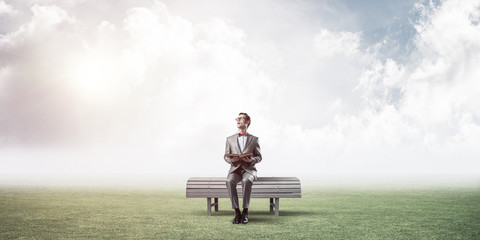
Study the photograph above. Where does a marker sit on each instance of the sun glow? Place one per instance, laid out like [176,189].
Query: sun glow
[95,78]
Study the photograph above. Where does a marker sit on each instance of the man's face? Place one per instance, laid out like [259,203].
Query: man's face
[241,121]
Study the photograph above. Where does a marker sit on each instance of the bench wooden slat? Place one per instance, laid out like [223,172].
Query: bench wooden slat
[206,186]
[239,184]
[266,190]
[220,179]
[258,195]
[256,182]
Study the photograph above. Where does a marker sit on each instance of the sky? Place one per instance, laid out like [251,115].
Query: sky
[337,88]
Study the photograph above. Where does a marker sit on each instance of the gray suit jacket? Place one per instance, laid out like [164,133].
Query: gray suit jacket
[252,145]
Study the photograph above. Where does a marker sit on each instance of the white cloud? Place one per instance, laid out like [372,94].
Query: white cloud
[330,43]
[429,101]
[382,84]
[6,9]
[443,82]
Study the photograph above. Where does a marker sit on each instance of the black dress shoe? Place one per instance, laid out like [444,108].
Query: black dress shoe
[244,219]
[238,218]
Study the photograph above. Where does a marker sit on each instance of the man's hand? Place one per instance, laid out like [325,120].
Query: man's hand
[247,159]
[235,159]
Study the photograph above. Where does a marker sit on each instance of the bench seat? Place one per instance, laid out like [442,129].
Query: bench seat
[263,187]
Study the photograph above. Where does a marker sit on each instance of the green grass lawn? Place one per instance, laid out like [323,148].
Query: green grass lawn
[41,213]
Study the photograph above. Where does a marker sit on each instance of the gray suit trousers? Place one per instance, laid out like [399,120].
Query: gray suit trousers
[247,180]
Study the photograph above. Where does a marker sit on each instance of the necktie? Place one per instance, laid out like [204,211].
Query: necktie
[242,134]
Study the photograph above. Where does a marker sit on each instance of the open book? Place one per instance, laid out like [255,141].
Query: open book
[239,155]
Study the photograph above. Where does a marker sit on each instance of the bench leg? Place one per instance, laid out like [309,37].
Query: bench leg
[209,206]
[277,205]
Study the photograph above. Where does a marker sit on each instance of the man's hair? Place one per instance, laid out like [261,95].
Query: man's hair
[247,118]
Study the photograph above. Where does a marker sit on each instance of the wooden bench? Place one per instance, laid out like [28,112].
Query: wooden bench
[263,187]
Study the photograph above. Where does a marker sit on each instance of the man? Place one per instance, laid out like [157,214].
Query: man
[242,168]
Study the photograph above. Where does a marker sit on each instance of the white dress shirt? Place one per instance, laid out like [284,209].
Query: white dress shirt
[242,140]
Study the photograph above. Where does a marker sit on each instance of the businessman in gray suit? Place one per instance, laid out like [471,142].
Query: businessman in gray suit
[242,169]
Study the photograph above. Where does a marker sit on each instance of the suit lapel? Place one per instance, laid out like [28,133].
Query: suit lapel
[235,143]
[249,140]
[238,145]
